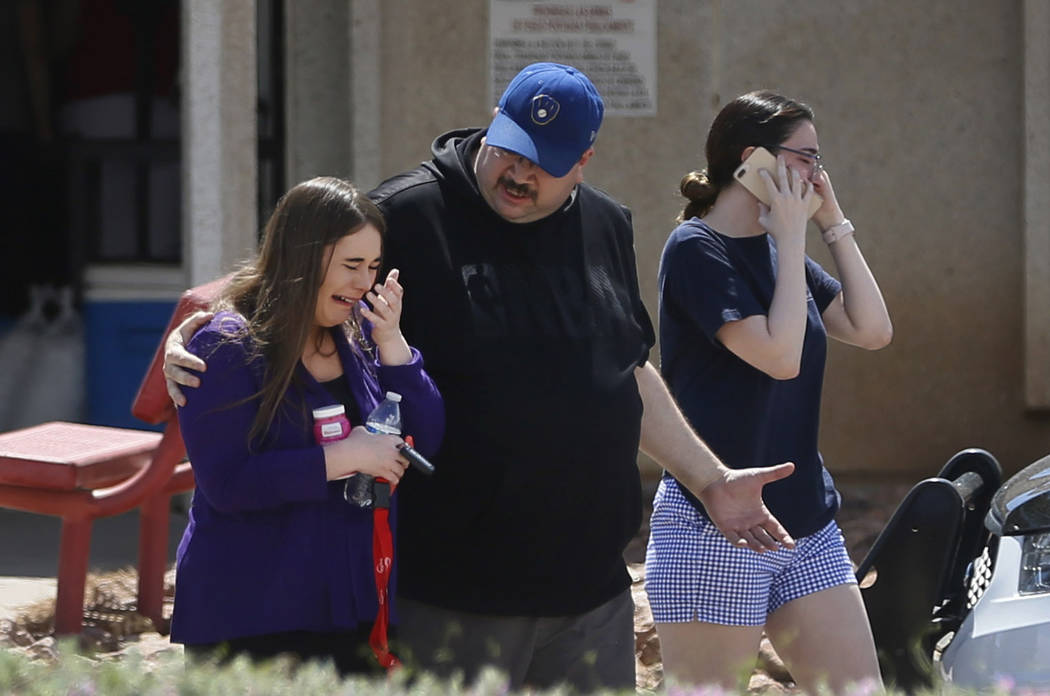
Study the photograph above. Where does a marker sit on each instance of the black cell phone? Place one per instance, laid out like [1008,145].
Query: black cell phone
[416,459]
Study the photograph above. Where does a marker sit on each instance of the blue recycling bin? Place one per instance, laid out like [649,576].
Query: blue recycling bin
[120,337]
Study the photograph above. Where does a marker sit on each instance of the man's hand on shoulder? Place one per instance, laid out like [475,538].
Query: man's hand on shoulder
[176,357]
[734,504]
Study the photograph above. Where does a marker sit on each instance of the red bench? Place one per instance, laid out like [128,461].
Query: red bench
[83,472]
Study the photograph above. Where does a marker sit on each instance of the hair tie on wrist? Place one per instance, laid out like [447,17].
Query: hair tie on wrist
[837,232]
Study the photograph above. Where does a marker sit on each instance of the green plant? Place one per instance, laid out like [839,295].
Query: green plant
[72,674]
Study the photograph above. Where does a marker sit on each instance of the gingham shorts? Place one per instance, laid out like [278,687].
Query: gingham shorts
[693,573]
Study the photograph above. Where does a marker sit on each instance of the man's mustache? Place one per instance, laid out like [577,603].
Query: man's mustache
[514,187]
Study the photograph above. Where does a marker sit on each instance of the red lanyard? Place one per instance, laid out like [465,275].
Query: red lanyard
[383,555]
[383,560]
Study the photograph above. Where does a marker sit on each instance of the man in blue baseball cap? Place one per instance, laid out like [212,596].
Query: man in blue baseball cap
[540,138]
[550,114]
[522,295]
[523,298]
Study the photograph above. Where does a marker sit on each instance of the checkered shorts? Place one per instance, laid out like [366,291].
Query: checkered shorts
[693,573]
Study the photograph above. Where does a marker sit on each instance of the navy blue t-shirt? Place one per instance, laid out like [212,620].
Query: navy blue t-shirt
[748,418]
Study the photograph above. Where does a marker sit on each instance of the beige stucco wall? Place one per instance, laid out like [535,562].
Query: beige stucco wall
[919,110]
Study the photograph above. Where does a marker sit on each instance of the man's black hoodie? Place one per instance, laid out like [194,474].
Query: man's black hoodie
[532,332]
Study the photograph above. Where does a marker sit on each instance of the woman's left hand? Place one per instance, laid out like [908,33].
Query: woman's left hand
[385,316]
[829,213]
[385,312]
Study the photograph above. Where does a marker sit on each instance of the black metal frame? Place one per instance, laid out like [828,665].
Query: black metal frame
[272,139]
[921,561]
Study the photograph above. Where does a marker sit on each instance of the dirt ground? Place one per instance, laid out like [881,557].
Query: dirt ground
[113,629]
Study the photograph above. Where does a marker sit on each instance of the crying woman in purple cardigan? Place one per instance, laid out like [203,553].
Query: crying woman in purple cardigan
[274,560]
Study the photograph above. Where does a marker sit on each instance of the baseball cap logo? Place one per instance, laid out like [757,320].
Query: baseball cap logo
[544,109]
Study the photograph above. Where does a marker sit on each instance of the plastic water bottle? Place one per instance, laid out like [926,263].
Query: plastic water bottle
[385,419]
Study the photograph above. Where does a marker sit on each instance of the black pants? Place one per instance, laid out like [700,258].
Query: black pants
[588,651]
[348,650]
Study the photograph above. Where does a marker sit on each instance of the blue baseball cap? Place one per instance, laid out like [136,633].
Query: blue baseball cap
[549,114]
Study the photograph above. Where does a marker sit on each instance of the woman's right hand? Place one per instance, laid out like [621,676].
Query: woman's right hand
[785,219]
[366,453]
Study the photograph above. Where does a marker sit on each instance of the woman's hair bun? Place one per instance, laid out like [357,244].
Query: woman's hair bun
[696,185]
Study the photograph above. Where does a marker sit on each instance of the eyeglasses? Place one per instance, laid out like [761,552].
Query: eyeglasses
[521,160]
[814,158]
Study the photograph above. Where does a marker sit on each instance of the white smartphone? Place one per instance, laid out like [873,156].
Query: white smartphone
[747,174]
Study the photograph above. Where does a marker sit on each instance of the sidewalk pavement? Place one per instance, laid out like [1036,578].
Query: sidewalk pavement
[29,553]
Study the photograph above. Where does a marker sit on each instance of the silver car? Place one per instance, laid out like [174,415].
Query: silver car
[1004,639]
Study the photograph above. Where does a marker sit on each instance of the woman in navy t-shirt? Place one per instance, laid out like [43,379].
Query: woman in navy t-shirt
[744,316]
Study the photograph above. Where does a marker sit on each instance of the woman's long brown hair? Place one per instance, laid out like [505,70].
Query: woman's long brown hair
[276,292]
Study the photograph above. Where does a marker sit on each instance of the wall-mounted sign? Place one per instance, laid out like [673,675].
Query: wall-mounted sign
[613,42]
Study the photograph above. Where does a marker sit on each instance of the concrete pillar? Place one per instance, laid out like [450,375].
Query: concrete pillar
[366,92]
[219,142]
[317,89]
[332,94]
[1036,158]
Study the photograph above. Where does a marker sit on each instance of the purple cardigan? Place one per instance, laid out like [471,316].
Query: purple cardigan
[272,546]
